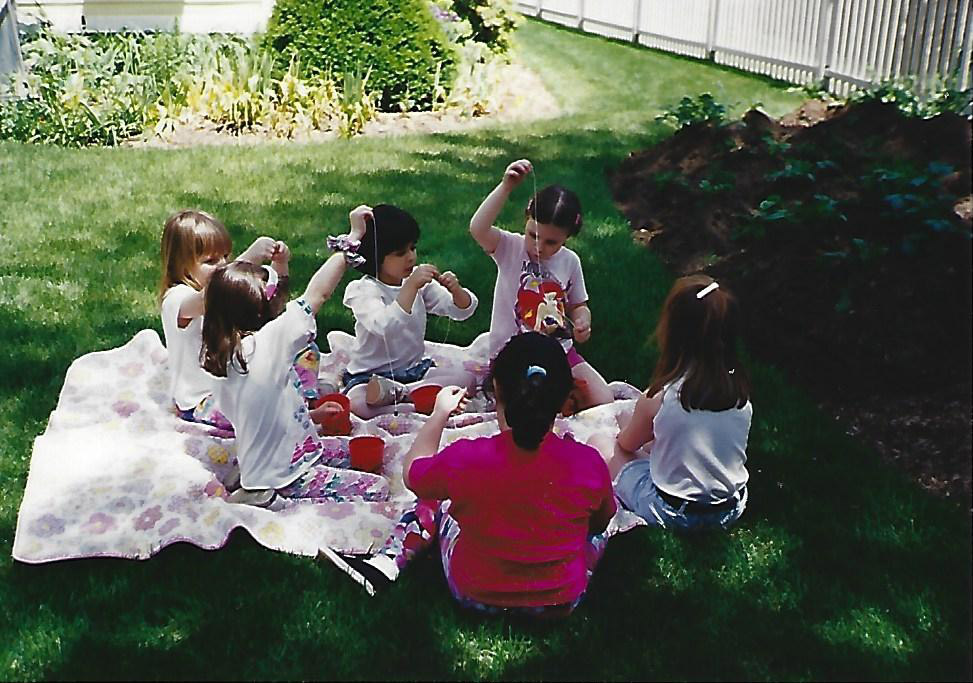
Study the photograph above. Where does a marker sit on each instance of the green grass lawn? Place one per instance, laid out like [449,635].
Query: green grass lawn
[840,569]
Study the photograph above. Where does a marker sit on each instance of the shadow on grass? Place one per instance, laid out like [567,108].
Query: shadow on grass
[840,569]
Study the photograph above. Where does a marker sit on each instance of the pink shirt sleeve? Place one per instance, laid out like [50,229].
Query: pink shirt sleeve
[429,477]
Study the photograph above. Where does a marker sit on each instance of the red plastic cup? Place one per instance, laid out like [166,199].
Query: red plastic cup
[366,453]
[424,398]
[334,423]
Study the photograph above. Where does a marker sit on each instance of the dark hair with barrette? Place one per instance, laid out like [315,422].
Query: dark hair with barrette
[556,205]
[533,379]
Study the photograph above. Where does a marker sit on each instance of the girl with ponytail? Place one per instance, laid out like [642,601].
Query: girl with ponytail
[694,419]
[531,504]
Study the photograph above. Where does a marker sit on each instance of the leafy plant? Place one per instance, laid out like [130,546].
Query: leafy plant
[101,89]
[491,22]
[703,109]
[942,95]
[398,41]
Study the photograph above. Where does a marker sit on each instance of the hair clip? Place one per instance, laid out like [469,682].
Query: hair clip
[272,279]
[577,219]
[707,289]
[535,370]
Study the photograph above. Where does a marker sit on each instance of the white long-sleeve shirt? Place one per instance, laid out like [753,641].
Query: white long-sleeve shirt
[377,314]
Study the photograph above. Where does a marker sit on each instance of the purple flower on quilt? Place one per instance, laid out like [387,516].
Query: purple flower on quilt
[194,447]
[214,489]
[147,519]
[47,525]
[99,523]
[336,510]
[476,368]
[131,369]
[183,506]
[125,408]
[168,526]
[390,510]
[121,505]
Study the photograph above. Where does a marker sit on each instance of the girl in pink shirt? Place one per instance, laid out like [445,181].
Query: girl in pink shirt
[530,504]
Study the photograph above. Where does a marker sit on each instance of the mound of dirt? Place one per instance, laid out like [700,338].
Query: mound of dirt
[845,231]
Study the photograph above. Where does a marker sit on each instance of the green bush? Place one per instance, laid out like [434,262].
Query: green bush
[397,43]
[491,22]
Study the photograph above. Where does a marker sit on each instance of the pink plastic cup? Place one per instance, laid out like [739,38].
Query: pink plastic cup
[424,398]
[366,453]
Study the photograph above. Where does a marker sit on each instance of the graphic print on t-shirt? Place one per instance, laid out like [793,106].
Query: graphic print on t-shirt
[542,303]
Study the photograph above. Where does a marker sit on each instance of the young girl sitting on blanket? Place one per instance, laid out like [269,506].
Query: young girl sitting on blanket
[249,350]
[531,505]
[390,305]
[540,285]
[695,416]
[194,244]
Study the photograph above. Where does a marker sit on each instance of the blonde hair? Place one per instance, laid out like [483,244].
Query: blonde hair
[189,235]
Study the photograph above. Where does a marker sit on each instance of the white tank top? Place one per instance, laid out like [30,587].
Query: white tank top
[699,455]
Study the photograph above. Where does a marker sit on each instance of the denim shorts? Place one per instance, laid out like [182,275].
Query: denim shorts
[407,376]
[637,492]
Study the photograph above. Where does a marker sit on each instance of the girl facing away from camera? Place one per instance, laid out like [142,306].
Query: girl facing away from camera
[194,244]
[519,515]
[249,348]
[390,305]
[540,284]
[694,418]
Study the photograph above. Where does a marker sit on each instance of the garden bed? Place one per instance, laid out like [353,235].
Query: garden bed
[845,231]
[508,104]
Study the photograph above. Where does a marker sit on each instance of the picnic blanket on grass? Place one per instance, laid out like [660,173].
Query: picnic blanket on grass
[118,474]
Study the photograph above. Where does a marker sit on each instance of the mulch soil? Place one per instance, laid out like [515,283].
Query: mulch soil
[845,231]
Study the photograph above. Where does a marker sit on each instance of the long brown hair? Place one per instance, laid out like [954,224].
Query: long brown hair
[697,339]
[187,236]
[236,306]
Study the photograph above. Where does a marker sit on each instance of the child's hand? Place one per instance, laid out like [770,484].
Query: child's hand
[449,400]
[582,331]
[282,254]
[358,218]
[260,251]
[422,276]
[515,173]
[450,282]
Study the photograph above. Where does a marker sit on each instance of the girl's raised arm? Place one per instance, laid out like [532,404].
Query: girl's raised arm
[328,276]
[481,225]
[324,281]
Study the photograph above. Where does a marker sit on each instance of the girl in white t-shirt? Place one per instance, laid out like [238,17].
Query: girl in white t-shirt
[390,305]
[540,285]
[194,244]
[249,351]
[695,418]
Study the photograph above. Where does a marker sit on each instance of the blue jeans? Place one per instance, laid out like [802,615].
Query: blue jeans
[407,376]
[635,488]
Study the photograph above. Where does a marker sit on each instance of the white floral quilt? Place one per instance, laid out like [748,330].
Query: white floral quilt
[117,474]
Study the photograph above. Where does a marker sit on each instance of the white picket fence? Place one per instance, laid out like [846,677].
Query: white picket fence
[843,44]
